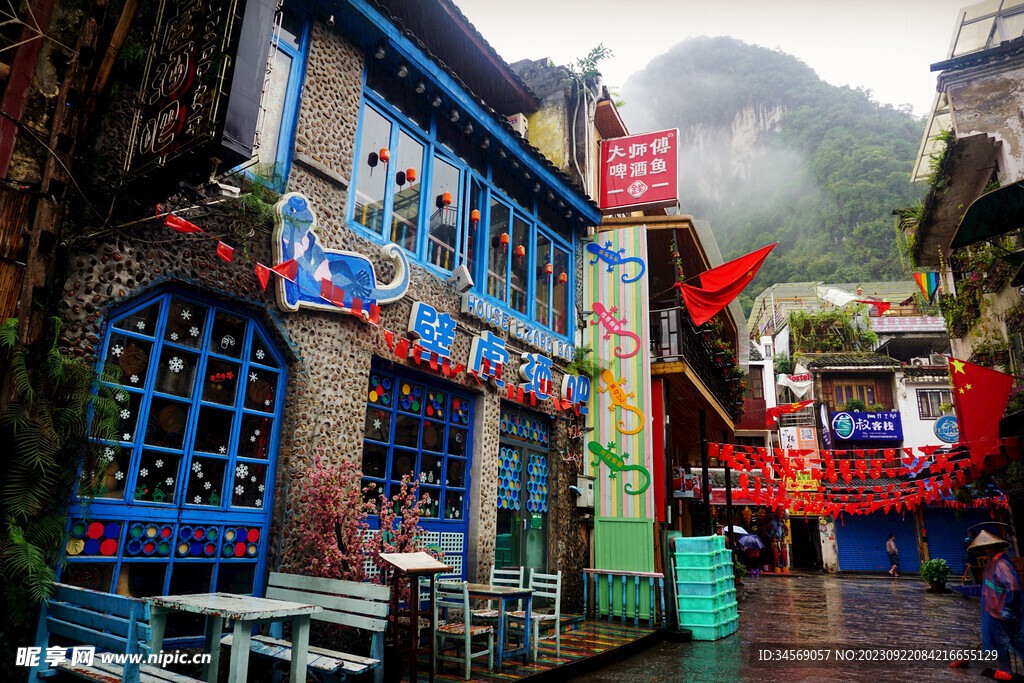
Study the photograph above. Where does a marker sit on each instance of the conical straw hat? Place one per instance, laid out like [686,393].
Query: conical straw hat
[984,538]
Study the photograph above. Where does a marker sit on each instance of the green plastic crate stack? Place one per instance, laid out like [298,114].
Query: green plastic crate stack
[705,587]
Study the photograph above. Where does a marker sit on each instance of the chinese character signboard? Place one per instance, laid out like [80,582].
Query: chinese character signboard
[639,172]
[867,426]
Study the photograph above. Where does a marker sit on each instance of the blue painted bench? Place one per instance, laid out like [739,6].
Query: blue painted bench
[349,603]
[111,623]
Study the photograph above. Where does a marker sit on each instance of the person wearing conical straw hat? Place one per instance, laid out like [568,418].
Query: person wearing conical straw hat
[1000,601]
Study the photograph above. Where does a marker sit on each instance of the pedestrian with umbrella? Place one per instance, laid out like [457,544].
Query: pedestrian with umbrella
[752,544]
[1000,602]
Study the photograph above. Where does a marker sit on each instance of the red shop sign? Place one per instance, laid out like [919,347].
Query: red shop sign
[639,171]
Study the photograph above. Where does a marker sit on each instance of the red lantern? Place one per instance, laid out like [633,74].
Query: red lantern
[410,175]
[563,278]
[474,216]
[548,269]
[504,242]
[520,252]
[446,198]
[384,155]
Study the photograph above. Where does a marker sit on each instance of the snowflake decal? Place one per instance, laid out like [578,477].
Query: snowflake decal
[119,475]
[256,432]
[198,500]
[117,350]
[260,354]
[239,490]
[108,453]
[126,437]
[176,365]
[252,438]
[259,502]
[186,314]
[174,336]
[144,472]
[134,379]
[197,467]
[207,486]
[261,488]
[125,414]
[223,449]
[193,331]
[241,471]
[267,402]
[141,324]
[121,397]
[253,478]
[159,463]
[253,377]
[376,424]
[170,481]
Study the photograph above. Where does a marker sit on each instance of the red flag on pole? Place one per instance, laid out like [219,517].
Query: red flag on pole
[721,285]
[980,396]
[772,414]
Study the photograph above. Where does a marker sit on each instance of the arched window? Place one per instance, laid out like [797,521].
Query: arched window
[187,487]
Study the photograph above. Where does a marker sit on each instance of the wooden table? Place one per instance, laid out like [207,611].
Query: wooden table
[503,594]
[411,567]
[245,611]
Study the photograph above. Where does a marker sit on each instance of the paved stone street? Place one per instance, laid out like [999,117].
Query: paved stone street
[820,612]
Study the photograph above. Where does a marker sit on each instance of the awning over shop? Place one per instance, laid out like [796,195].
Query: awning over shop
[993,213]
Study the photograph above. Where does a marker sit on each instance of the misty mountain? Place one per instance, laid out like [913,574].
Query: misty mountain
[770,152]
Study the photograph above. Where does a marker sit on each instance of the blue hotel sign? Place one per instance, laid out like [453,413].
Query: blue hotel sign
[867,426]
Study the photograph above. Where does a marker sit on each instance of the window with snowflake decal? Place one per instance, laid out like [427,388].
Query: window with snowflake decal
[186,457]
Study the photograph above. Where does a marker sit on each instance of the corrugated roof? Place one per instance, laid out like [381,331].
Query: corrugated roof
[847,360]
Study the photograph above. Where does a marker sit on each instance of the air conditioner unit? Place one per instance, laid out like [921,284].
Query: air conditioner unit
[918,362]
[938,359]
[518,122]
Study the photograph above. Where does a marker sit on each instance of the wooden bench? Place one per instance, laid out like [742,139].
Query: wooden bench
[110,623]
[350,603]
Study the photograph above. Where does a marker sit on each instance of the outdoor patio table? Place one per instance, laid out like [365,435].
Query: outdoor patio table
[503,594]
[244,610]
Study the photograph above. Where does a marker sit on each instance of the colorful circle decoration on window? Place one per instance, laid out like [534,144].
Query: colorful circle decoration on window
[509,468]
[149,539]
[93,538]
[435,407]
[537,483]
[410,397]
[240,542]
[521,426]
[380,390]
[460,411]
[198,541]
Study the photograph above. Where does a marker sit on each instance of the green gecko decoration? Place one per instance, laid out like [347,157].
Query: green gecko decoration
[617,463]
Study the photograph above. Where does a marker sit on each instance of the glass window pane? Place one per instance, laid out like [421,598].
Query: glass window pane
[191,577]
[372,173]
[454,502]
[973,36]
[431,469]
[410,397]
[131,356]
[166,423]
[158,477]
[520,290]
[1011,27]
[260,351]
[274,98]
[869,395]
[112,474]
[185,323]
[497,255]
[406,213]
[228,335]
[261,390]
[407,431]
[176,372]
[403,463]
[254,438]
[433,504]
[375,460]
[237,579]
[95,576]
[128,415]
[456,473]
[250,485]
[206,482]
[378,425]
[473,229]
[142,321]
[433,436]
[220,382]
[381,390]
[444,214]
[141,579]
[457,441]
[213,432]
[436,405]
[543,279]
[561,279]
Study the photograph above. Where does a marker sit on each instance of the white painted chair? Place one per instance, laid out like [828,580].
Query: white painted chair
[511,577]
[544,586]
[458,634]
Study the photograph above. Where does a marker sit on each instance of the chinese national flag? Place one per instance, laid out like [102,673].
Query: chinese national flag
[225,252]
[772,414]
[287,270]
[181,225]
[980,396]
[721,285]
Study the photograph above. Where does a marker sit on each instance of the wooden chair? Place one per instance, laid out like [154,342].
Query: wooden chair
[511,577]
[108,622]
[461,633]
[350,603]
[544,586]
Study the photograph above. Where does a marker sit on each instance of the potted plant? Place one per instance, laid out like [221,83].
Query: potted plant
[935,572]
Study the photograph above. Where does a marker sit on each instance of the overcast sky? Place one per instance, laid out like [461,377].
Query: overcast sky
[884,45]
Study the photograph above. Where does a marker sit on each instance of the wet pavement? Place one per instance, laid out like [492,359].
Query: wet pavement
[840,615]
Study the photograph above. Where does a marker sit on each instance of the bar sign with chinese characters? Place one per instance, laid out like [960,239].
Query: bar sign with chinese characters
[639,171]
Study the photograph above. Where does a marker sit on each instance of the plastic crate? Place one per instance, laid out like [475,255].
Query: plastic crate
[727,628]
[699,589]
[724,571]
[729,594]
[731,610]
[724,555]
[699,632]
[700,617]
[713,603]
[698,544]
[697,574]
[698,559]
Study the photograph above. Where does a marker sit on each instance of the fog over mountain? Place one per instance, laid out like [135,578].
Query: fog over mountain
[770,152]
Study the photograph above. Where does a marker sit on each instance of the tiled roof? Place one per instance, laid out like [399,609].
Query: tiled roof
[926,371]
[847,360]
[755,353]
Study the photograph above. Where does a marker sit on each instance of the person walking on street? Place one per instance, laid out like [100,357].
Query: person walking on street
[894,555]
[1000,603]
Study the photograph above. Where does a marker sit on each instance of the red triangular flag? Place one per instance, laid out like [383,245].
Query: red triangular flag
[980,396]
[721,285]
[263,274]
[288,269]
[181,225]
[225,252]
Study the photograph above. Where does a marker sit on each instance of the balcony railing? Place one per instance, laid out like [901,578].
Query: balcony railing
[674,339]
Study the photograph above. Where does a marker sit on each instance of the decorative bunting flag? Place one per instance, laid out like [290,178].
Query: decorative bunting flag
[929,284]
[772,414]
[181,225]
[881,306]
[263,274]
[225,252]
[287,270]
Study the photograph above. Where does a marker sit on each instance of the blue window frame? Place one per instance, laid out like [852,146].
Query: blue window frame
[186,491]
[410,188]
[422,429]
[281,90]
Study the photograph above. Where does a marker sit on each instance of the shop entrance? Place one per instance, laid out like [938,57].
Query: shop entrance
[806,547]
[522,520]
